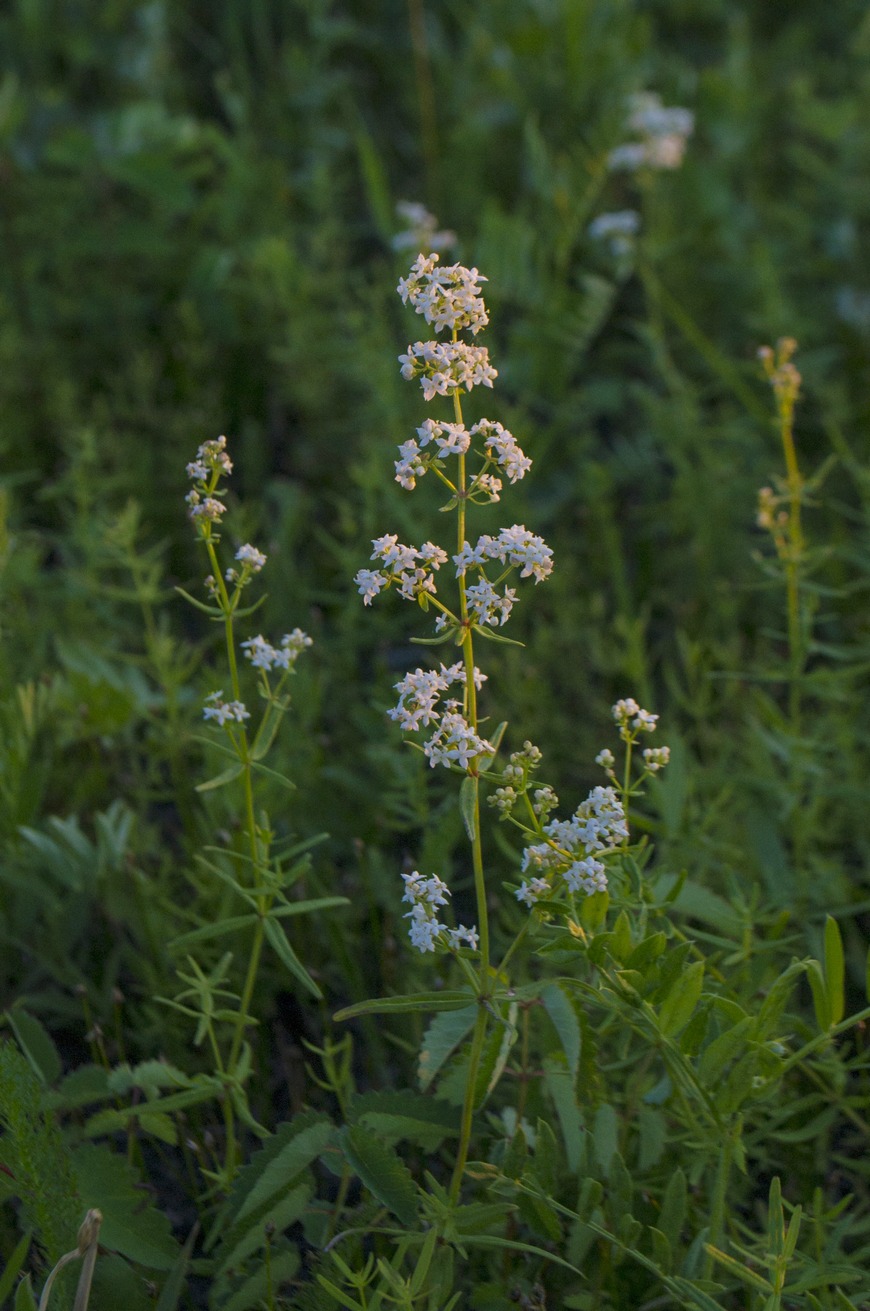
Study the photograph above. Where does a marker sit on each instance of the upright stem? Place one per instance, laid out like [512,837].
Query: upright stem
[479,1034]
[720,1190]
[256,853]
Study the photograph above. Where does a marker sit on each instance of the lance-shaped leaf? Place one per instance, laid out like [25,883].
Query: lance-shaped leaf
[382,1171]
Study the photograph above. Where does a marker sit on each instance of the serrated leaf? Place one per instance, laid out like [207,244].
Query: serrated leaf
[309,1128]
[677,1007]
[140,1232]
[255,1290]
[243,1240]
[382,1171]
[300,1145]
[442,1036]
[406,1116]
[89,1083]
[150,1076]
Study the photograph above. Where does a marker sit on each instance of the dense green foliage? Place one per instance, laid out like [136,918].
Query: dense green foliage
[197,202]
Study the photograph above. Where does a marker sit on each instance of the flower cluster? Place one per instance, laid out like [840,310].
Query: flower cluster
[618,228]
[663,135]
[422,232]
[266,657]
[631,721]
[204,498]
[570,854]
[410,567]
[224,712]
[454,742]
[500,448]
[426,931]
[447,297]
[444,367]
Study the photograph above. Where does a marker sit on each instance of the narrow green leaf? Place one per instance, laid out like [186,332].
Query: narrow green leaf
[561,1087]
[408,1004]
[775,1219]
[821,1000]
[675,1201]
[308,907]
[791,1234]
[738,1270]
[605,1135]
[278,941]
[382,1171]
[219,929]
[269,726]
[558,1006]
[260,768]
[677,1007]
[717,1054]
[212,610]
[24,1299]
[171,1291]
[13,1266]
[219,780]
[36,1044]
[835,970]
[468,805]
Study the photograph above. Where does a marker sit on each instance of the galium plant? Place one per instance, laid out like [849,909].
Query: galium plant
[472,586]
[259,875]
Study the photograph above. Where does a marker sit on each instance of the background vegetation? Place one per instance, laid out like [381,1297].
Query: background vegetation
[196,205]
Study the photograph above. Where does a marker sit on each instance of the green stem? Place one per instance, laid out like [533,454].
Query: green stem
[255,845]
[476,847]
[717,1202]
[477,1042]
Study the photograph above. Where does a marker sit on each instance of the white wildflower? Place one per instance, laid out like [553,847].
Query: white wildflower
[224,712]
[456,743]
[655,758]
[250,556]
[447,297]
[532,890]
[422,232]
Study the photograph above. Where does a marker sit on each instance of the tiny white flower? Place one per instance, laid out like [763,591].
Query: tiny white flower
[250,556]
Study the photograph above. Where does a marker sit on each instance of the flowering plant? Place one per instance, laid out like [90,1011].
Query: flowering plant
[564,861]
